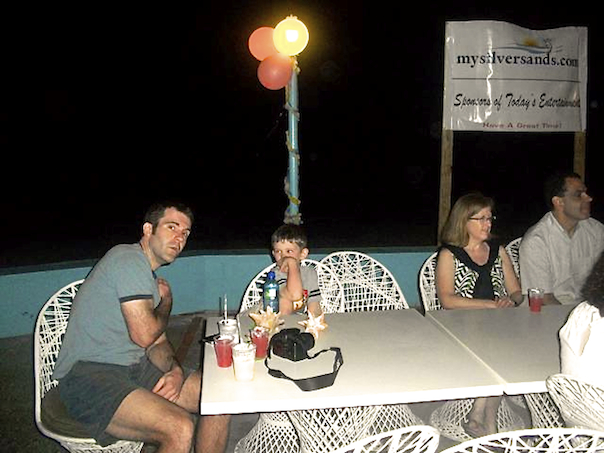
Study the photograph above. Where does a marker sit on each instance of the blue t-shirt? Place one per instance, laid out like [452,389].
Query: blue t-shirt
[97,330]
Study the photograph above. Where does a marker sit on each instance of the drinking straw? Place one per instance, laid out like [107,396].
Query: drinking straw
[224,300]
[238,327]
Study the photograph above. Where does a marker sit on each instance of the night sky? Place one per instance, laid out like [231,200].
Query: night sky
[113,108]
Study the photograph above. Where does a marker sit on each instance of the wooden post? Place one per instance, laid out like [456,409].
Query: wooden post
[579,156]
[446,173]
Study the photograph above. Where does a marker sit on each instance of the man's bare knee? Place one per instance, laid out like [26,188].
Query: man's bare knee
[176,429]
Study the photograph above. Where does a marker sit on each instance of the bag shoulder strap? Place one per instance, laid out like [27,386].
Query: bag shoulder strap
[316,382]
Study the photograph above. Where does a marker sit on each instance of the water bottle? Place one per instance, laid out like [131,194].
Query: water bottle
[270,292]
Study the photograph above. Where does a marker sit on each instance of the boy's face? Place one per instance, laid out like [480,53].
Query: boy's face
[283,249]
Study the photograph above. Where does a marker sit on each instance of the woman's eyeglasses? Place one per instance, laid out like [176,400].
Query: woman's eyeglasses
[484,219]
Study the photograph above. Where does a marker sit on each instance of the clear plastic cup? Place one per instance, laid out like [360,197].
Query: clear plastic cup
[223,348]
[535,297]
[259,337]
[244,358]
[229,327]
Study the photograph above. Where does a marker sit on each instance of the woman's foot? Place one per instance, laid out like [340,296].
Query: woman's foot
[474,429]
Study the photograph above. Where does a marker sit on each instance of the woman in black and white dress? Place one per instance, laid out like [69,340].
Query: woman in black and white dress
[474,271]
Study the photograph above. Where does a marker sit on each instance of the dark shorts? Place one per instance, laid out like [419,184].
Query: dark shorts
[93,391]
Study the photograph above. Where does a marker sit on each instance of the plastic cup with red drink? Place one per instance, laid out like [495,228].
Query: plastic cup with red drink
[223,348]
[535,297]
[259,336]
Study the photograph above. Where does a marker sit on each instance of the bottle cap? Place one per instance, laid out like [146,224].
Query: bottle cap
[271,274]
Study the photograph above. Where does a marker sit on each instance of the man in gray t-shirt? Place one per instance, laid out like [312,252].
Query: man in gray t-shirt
[97,331]
[117,372]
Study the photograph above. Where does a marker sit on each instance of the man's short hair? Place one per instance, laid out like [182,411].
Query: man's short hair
[157,210]
[292,233]
[555,185]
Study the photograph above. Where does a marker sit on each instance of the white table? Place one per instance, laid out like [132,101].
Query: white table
[389,357]
[520,346]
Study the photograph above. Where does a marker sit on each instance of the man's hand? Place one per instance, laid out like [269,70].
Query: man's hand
[170,384]
[165,291]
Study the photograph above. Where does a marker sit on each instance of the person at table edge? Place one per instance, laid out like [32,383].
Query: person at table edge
[474,272]
[558,252]
[117,372]
[582,335]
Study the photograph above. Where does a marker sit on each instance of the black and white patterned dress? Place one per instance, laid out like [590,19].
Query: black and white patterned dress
[478,282]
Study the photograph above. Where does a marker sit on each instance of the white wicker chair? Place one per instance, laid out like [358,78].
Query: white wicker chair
[449,417]
[368,284]
[48,336]
[274,431]
[544,412]
[427,284]
[581,404]
[513,249]
[542,440]
[323,430]
[412,439]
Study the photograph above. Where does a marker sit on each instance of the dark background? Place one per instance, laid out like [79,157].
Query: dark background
[111,108]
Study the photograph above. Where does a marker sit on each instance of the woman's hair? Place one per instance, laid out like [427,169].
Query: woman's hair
[593,288]
[454,231]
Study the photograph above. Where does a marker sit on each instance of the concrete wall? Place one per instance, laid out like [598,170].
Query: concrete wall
[198,279]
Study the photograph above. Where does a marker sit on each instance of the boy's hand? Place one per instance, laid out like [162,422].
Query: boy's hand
[285,263]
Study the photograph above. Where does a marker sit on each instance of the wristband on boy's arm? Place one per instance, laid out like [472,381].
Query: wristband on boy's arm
[298,304]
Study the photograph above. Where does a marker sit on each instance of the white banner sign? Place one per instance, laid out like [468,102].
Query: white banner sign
[501,77]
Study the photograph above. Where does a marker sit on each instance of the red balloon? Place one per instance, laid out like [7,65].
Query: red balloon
[275,71]
[261,43]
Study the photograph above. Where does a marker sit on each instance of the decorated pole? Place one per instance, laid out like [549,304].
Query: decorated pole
[292,213]
[277,49]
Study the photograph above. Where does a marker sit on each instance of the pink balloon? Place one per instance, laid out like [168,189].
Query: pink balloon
[261,43]
[275,71]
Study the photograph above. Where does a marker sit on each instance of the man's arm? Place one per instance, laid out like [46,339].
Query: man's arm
[147,329]
[162,355]
[535,268]
[145,323]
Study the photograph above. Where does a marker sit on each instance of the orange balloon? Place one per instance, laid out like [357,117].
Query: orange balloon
[261,43]
[275,71]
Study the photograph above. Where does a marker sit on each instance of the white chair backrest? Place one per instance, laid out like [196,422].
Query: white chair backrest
[332,294]
[581,404]
[411,439]
[368,284]
[541,440]
[427,284]
[48,337]
[513,249]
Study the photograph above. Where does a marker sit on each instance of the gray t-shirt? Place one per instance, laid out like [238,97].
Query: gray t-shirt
[310,284]
[97,330]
